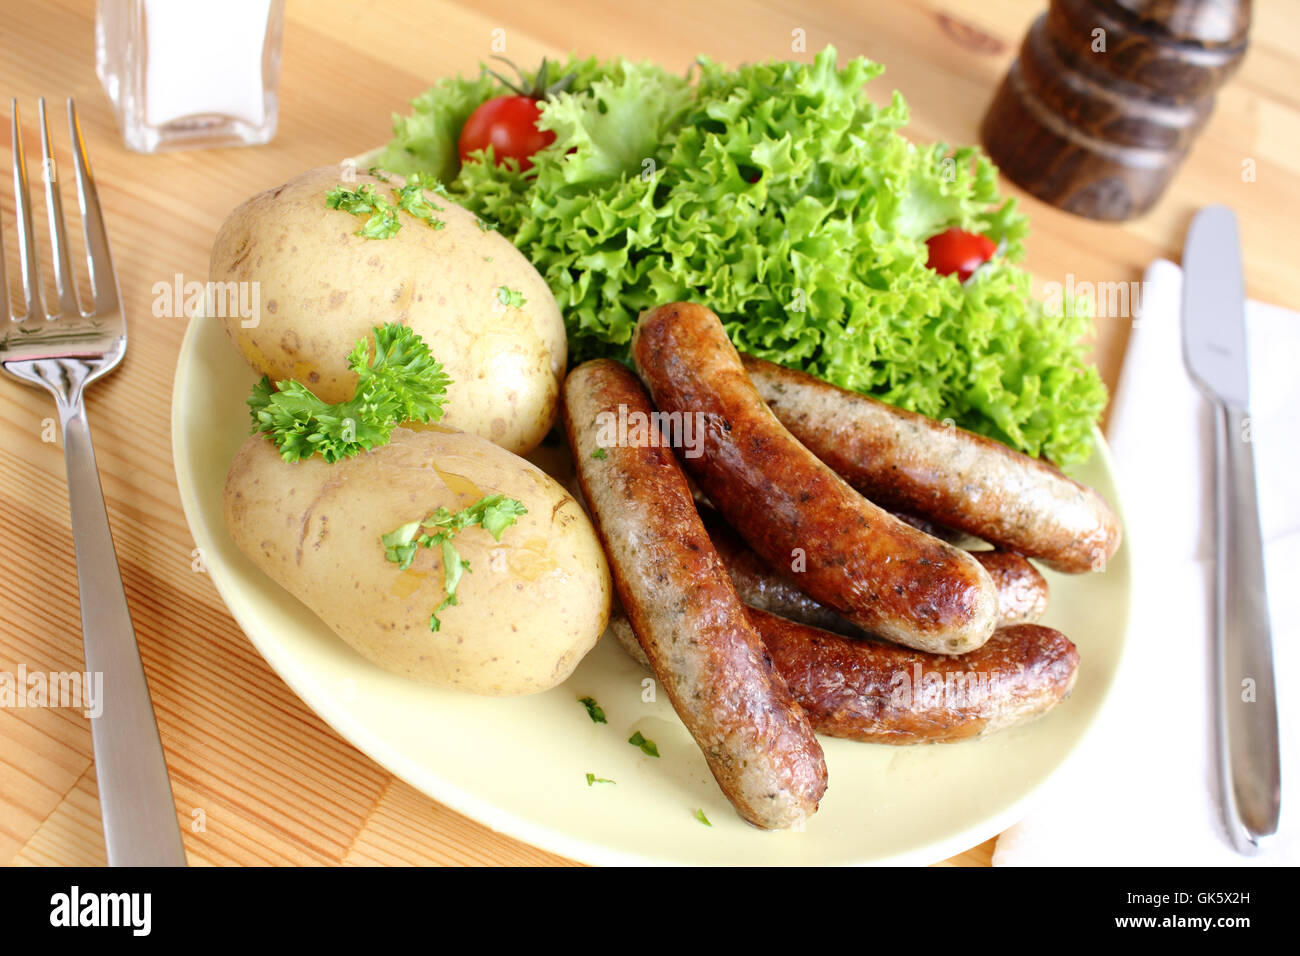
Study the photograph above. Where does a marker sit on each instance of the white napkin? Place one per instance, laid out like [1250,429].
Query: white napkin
[1142,789]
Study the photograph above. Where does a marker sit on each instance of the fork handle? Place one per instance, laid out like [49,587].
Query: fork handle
[135,795]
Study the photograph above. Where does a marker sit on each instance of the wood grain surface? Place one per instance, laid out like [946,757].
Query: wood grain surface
[258,778]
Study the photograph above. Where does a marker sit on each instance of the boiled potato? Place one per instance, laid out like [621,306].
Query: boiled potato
[532,605]
[321,287]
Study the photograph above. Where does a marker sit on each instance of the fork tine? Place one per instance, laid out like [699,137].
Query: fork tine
[103,283]
[23,215]
[64,283]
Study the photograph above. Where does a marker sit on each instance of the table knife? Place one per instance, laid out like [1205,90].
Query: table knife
[1214,350]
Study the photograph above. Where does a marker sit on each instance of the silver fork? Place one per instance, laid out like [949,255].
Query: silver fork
[63,350]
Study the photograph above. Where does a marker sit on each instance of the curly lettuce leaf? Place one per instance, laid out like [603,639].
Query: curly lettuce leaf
[779,195]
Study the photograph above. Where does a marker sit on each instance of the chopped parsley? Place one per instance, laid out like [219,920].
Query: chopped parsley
[592,778]
[493,513]
[593,710]
[511,297]
[411,198]
[432,183]
[647,746]
[382,221]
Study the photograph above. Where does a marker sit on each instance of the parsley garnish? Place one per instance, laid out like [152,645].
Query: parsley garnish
[494,513]
[429,182]
[355,201]
[592,778]
[382,215]
[647,746]
[382,221]
[382,225]
[511,297]
[699,815]
[403,383]
[593,709]
[411,198]
[600,454]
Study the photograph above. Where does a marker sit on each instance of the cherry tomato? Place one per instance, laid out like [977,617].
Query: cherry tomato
[961,252]
[509,125]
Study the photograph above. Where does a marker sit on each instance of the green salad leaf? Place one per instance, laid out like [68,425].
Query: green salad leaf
[783,198]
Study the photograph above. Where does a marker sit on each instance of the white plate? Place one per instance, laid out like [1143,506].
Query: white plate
[518,765]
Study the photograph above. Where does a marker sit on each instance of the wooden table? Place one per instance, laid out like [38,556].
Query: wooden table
[258,778]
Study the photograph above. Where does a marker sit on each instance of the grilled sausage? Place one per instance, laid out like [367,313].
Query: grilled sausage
[884,694]
[683,608]
[1022,591]
[959,538]
[758,585]
[883,575]
[908,462]
[881,693]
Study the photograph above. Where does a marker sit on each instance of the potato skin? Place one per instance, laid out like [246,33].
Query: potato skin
[321,288]
[533,606]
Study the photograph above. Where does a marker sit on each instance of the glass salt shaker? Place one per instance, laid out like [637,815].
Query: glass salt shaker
[185,75]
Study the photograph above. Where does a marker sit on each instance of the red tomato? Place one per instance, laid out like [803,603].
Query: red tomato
[509,125]
[961,252]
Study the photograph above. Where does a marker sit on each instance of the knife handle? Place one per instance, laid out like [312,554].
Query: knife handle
[1250,775]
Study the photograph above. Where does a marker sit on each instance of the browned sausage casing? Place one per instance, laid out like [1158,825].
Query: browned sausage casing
[759,585]
[1022,591]
[883,575]
[959,538]
[884,694]
[856,689]
[908,462]
[758,742]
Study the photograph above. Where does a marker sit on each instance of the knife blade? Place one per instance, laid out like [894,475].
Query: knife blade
[1214,351]
[1214,307]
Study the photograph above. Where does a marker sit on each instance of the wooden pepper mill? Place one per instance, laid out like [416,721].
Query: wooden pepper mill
[1106,97]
